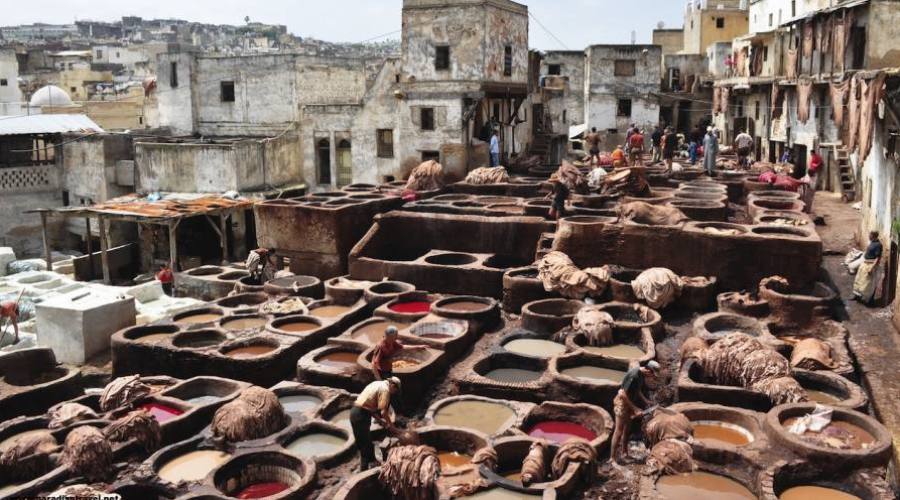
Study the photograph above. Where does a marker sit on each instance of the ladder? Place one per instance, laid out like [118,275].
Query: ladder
[845,170]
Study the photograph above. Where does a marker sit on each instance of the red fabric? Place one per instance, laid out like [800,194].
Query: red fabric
[815,163]
[165,276]
[7,309]
[768,177]
[636,141]
[788,183]
[384,352]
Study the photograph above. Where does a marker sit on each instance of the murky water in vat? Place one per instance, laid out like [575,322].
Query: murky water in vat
[595,374]
[815,493]
[822,397]
[299,403]
[621,351]
[329,311]
[483,416]
[196,319]
[250,351]
[719,434]
[192,466]
[316,445]
[513,375]
[535,347]
[452,459]
[697,485]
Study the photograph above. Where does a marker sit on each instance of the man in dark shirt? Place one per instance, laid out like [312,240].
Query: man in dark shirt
[629,403]
[670,144]
[655,139]
[865,284]
[559,196]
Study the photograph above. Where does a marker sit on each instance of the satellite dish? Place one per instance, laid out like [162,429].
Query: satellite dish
[660,25]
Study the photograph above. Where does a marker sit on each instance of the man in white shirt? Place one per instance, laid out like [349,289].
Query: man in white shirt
[743,145]
[495,150]
[373,402]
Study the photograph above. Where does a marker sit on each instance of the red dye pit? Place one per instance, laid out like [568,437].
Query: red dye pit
[413,307]
[262,490]
[160,412]
[560,432]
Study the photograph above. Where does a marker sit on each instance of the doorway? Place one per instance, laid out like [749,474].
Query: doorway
[344,163]
[324,161]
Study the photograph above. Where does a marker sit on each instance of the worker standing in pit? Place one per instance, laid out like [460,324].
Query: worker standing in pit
[630,402]
[259,265]
[9,313]
[383,357]
[373,402]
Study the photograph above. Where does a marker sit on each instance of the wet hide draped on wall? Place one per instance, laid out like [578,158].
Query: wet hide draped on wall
[777,107]
[808,31]
[717,96]
[871,96]
[804,89]
[838,100]
[853,107]
[791,64]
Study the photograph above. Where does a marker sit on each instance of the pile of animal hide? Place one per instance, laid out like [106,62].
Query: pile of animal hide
[740,360]
[68,413]
[411,472]
[80,491]
[812,354]
[487,457]
[652,215]
[87,453]
[559,274]
[595,178]
[595,325]
[627,182]
[522,163]
[534,467]
[576,451]
[123,391]
[570,176]
[670,457]
[667,424]
[693,348]
[139,425]
[28,457]
[255,413]
[658,287]
[291,305]
[488,175]
[428,176]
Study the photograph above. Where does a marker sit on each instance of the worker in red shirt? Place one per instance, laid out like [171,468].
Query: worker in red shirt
[166,279]
[10,310]
[636,148]
[383,358]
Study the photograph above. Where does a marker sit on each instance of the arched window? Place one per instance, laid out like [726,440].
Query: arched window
[344,163]
[324,161]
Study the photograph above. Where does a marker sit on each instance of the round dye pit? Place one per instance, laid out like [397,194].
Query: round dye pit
[815,493]
[438,330]
[22,379]
[451,259]
[261,490]
[202,400]
[341,419]
[199,339]
[717,433]
[250,351]
[822,397]
[297,326]
[198,318]
[192,466]
[501,494]
[317,444]
[595,374]
[838,434]
[151,334]
[513,375]
[372,333]
[161,412]
[339,359]
[451,460]
[558,431]
[299,403]
[534,347]
[329,311]
[411,307]
[696,485]
[619,351]
[482,416]
[244,323]
[464,306]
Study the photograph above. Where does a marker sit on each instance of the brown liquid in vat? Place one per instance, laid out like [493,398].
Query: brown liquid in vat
[595,374]
[719,435]
[243,324]
[298,327]
[621,351]
[250,351]
[329,311]
[822,397]
[196,319]
[452,459]
[815,493]
[697,485]
[482,416]
[373,332]
[154,337]
[534,347]
[464,306]
[339,359]
[404,363]
[836,434]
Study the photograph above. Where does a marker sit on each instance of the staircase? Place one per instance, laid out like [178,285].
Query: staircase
[845,169]
[540,146]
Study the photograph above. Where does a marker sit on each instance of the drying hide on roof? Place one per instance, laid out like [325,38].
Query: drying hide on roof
[254,414]
[428,176]
[411,472]
[658,287]
[123,391]
[559,274]
[488,175]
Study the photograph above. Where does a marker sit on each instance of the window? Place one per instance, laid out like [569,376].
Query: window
[431,155]
[793,8]
[771,19]
[496,115]
[554,69]
[385,140]
[73,90]
[324,160]
[623,67]
[227,91]
[442,57]
[507,60]
[757,110]
[99,54]
[173,74]
[766,53]
[720,22]
[117,54]
[3,82]
[624,107]
[564,116]
[427,118]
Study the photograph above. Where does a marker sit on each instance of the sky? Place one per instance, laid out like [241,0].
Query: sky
[576,23]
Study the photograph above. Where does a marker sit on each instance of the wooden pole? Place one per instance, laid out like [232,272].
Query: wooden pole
[104,247]
[46,241]
[223,234]
[89,241]
[173,246]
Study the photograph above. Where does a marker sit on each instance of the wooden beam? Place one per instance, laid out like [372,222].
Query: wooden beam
[173,246]
[104,247]
[89,241]
[223,234]
[47,254]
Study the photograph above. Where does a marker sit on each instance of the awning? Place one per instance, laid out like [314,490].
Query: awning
[47,124]
[576,130]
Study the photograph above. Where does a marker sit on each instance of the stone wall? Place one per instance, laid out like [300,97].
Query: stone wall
[604,89]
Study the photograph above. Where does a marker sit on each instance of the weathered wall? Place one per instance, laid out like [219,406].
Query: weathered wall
[882,50]
[700,30]
[10,96]
[603,89]
[687,65]
[176,105]
[671,40]
[506,24]
[426,26]
[572,69]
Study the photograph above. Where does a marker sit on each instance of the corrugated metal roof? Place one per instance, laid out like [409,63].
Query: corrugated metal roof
[47,124]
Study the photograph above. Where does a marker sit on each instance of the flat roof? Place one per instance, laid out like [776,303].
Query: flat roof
[169,207]
[47,124]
